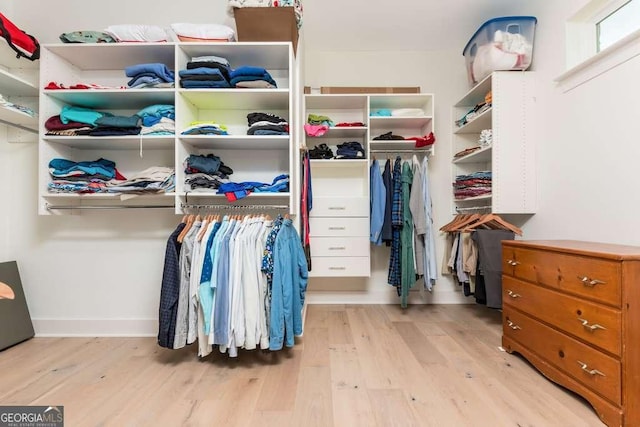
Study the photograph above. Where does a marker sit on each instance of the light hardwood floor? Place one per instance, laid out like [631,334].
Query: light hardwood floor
[373,365]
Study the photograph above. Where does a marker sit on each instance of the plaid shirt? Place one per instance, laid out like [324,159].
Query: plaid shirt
[170,290]
[396,221]
[267,257]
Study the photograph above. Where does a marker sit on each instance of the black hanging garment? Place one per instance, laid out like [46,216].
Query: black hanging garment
[25,45]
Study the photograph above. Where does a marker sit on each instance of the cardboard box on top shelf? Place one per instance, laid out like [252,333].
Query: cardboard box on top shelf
[267,24]
[361,89]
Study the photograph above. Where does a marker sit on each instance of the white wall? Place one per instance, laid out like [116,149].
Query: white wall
[588,153]
[106,267]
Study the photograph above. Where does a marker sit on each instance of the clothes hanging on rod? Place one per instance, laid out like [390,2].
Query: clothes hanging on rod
[306,204]
[473,254]
[402,203]
[232,282]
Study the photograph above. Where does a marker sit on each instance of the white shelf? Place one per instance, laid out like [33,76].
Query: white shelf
[398,145]
[238,142]
[392,101]
[213,195]
[113,99]
[269,55]
[479,123]
[13,85]
[476,94]
[482,155]
[341,132]
[339,162]
[399,122]
[129,142]
[113,56]
[14,117]
[108,196]
[237,99]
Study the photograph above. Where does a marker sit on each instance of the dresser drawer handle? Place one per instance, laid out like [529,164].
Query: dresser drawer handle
[337,228]
[337,248]
[585,368]
[513,325]
[337,268]
[513,294]
[590,282]
[337,208]
[512,262]
[590,328]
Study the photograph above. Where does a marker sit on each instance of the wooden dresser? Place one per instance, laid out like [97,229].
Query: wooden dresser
[571,309]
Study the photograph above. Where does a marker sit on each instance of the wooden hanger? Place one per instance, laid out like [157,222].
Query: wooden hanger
[495,221]
[471,219]
[456,220]
[6,292]
[203,228]
[188,225]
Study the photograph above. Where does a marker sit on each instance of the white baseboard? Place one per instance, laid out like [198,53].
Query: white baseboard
[95,327]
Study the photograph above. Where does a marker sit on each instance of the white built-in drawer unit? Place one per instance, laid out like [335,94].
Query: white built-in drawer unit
[340,207]
[340,266]
[339,227]
[340,247]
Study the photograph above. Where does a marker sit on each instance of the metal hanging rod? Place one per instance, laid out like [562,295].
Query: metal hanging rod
[232,207]
[64,207]
[401,151]
[474,208]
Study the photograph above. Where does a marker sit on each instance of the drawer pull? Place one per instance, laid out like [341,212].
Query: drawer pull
[337,228]
[590,328]
[337,268]
[590,282]
[512,325]
[513,294]
[337,248]
[512,262]
[585,368]
[337,208]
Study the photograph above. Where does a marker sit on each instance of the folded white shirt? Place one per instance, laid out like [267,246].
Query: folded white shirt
[204,31]
[136,33]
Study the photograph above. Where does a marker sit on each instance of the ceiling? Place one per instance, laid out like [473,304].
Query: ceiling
[410,25]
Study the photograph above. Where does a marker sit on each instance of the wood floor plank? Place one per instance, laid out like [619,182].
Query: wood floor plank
[355,365]
[314,405]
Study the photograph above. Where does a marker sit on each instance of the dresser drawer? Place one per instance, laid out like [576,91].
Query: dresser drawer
[339,227]
[340,207]
[596,279]
[340,246]
[594,323]
[340,267]
[589,366]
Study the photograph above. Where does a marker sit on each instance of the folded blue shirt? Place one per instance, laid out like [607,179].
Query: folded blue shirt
[200,72]
[62,167]
[79,114]
[153,113]
[247,70]
[158,69]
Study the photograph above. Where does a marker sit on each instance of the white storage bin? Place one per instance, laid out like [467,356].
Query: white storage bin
[500,44]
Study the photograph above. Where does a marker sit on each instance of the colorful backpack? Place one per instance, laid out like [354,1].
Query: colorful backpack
[23,44]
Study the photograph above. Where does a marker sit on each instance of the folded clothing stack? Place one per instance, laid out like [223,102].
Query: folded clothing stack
[206,72]
[149,75]
[81,177]
[388,136]
[266,124]
[321,151]
[472,185]
[252,77]
[315,119]
[187,32]
[350,150]
[205,128]
[237,190]
[156,179]
[205,172]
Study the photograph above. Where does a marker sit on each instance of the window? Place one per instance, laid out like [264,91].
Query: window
[618,24]
[600,36]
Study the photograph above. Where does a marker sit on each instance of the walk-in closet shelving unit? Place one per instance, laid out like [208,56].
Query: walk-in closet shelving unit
[253,158]
[18,84]
[339,220]
[510,158]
